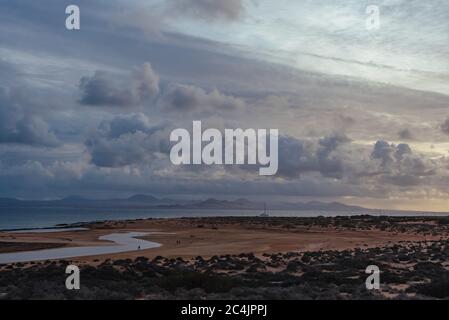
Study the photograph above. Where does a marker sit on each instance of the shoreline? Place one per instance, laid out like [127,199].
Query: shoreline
[247,258]
[234,235]
[217,213]
[122,242]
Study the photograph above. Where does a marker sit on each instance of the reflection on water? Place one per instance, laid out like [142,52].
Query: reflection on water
[124,242]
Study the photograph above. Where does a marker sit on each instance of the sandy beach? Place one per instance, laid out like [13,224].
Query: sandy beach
[233,257]
[188,238]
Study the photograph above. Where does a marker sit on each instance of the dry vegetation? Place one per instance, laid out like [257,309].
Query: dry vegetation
[414,269]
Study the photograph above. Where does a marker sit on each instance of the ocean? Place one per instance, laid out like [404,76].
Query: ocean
[34,218]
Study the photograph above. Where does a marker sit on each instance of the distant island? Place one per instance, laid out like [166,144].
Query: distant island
[142,201]
[152,202]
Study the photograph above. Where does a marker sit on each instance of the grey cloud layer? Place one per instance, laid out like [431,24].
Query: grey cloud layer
[18,126]
[445,126]
[103,89]
[208,9]
[187,98]
[399,165]
[340,136]
[127,140]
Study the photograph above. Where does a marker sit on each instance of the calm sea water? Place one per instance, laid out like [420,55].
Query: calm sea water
[25,218]
[124,242]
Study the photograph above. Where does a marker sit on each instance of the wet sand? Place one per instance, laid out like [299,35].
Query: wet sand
[7,247]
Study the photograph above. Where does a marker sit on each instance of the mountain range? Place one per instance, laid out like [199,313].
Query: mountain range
[151,202]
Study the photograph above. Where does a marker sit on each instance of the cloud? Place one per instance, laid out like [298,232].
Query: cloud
[405,134]
[8,72]
[298,157]
[445,126]
[20,127]
[102,90]
[225,10]
[126,153]
[126,140]
[183,98]
[397,164]
[331,165]
[337,158]
[34,179]
[105,89]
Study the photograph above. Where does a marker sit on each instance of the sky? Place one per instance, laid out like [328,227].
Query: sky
[363,114]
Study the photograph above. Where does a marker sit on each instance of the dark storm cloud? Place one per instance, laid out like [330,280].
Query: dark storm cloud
[298,157]
[103,89]
[228,10]
[119,145]
[399,165]
[20,127]
[336,157]
[384,152]
[127,140]
[331,166]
